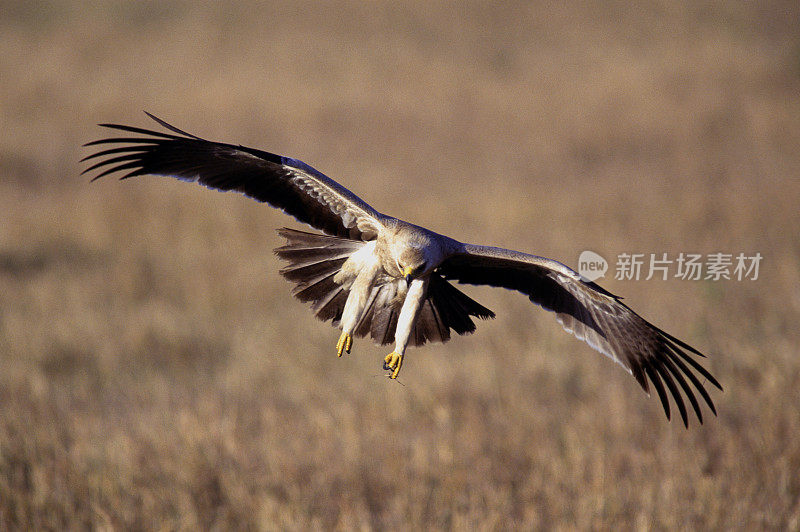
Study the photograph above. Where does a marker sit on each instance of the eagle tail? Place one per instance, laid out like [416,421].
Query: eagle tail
[445,308]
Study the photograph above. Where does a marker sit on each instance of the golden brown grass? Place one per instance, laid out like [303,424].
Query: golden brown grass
[156,372]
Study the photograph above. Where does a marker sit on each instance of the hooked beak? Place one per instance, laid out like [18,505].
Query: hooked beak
[407,275]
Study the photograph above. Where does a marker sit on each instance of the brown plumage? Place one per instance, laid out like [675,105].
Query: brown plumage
[374,275]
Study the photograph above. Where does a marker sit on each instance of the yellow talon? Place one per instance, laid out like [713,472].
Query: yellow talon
[344,344]
[393,361]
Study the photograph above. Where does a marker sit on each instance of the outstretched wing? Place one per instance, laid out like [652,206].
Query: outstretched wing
[287,184]
[594,315]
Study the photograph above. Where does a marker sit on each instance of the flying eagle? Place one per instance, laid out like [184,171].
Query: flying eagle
[374,275]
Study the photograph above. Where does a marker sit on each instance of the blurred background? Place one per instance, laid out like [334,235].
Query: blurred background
[156,372]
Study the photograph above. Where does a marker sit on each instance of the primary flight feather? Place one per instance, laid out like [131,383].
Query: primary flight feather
[378,276]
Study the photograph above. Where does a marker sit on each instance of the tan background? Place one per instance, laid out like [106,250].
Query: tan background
[157,373]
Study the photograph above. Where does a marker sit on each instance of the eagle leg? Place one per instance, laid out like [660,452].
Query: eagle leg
[393,361]
[344,344]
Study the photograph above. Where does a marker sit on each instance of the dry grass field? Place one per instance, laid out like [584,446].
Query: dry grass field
[155,372]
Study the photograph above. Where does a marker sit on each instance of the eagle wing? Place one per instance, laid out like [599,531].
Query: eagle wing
[594,315]
[285,183]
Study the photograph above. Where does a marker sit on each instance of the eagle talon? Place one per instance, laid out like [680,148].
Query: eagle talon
[393,361]
[344,344]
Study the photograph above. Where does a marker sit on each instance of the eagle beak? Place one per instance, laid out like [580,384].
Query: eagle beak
[407,275]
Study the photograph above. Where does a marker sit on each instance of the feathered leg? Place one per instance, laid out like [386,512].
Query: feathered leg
[405,324]
[367,267]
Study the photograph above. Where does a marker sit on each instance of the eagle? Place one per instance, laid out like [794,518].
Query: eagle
[374,275]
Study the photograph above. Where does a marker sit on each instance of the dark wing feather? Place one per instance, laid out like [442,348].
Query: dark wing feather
[594,315]
[314,260]
[285,183]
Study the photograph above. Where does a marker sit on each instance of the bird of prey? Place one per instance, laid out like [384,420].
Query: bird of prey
[375,275]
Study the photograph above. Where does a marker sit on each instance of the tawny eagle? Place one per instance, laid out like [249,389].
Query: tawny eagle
[374,275]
